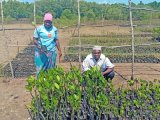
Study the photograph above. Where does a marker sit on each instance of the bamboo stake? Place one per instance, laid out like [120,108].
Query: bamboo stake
[103,9]
[35,11]
[79,22]
[132,30]
[2,16]
[17,48]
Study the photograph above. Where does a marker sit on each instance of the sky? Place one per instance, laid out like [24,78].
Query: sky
[109,1]
[121,1]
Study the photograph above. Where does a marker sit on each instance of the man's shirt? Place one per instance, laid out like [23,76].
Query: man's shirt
[46,37]
[103,63]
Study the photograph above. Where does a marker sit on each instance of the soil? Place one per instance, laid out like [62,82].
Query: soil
[13,95]
[13,99]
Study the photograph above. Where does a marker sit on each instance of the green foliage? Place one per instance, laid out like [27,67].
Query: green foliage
[131,82]
[16,9]
[157,30]
[67,18]
[67,95]
[66,10]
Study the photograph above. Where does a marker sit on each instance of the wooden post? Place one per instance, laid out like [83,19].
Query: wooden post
[10,64]
[35,11]
[103,9]
[17,48]
[132,30]
[79,22]
[2,16]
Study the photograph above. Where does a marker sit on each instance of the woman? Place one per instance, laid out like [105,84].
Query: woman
[46,40]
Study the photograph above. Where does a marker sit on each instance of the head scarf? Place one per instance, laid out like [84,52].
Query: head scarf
[48,16]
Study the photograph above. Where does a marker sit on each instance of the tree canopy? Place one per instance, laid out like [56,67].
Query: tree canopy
[67,10]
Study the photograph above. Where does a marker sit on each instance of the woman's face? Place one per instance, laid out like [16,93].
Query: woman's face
[48,23]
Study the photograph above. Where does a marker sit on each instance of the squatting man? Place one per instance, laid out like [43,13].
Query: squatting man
[96,58]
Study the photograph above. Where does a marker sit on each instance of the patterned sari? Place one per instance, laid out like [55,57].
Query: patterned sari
[44,61]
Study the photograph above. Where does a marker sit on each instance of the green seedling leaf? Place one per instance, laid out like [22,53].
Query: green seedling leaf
[91,100]
[47,84]
[58,78]
[40,88]
[76,97]
[44,96]
[122,111]
[29,88]
[56,85]
[33,23]
[131,82]
[31,79]
[31,83]
[135,103]
[72,87]
[55,102]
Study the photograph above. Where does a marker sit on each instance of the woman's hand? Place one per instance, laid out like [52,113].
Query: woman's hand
[36,43]
[59,49]
[60,55]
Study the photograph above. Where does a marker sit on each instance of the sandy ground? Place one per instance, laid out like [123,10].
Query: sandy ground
[13,95]
[13,99]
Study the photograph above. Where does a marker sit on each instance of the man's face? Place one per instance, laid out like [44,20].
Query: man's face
[96,54]
[48,23]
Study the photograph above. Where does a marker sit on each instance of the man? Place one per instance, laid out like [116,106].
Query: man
[46,41]
[98,59]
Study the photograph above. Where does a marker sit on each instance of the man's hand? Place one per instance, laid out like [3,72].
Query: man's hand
[103,73]
[107,71]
